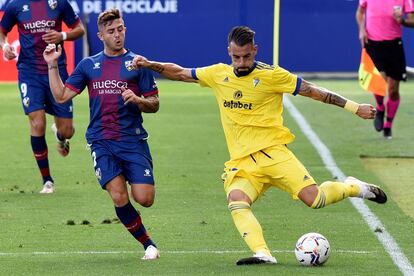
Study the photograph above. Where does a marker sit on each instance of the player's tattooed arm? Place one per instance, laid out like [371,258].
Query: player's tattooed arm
[149,104]
[321,94]
[171,71]
[311,90]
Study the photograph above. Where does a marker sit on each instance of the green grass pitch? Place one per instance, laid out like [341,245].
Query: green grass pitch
[189,220]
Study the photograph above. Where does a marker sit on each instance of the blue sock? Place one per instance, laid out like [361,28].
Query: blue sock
[39,148]
[131,219]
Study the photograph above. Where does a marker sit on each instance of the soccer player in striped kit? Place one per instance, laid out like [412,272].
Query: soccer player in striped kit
[39,24]
[117,95]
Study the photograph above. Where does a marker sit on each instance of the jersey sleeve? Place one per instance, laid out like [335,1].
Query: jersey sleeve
[78,80]
[69,16]
[285,82]
[9,19]
[205,75]
[146,83]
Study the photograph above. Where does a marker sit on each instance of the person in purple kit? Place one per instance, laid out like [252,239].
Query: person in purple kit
[380,30]
[117,95]
[40,23]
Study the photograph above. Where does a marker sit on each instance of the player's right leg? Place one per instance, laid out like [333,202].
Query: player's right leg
[241,193]
[33,101]
[248,226]
[37,120]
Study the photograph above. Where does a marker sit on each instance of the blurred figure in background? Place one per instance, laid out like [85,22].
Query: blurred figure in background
[40,23]
[380,30]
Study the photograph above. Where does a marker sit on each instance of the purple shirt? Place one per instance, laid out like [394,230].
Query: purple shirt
[34,18]
[380,23]
[110,118]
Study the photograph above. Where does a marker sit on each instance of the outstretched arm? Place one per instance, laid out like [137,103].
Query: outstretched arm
[308,89]
[171,71]
[60,92]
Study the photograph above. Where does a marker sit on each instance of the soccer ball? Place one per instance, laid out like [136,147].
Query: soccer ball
[312,249]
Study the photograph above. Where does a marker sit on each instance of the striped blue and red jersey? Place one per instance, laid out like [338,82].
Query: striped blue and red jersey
[104,76]
[34,18]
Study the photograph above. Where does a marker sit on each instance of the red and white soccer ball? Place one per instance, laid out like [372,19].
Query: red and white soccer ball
[312,249]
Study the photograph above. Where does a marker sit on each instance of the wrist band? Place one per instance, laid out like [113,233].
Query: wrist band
[351,106]
[64,35]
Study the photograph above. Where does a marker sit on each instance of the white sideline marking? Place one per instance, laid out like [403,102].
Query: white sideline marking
[16,254]
[390,245]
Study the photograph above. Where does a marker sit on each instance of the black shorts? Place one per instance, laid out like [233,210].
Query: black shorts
[388,56]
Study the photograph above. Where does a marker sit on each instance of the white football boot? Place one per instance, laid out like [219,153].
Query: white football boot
[48,188]
[368,191]
[151,253]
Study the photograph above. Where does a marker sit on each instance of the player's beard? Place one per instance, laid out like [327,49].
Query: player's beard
[242,71]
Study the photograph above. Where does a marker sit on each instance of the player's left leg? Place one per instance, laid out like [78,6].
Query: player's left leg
[63,130]
[392,105]
[290,175]
[144,194]
[137,168]
[63,114]
[331,192]
[130,217]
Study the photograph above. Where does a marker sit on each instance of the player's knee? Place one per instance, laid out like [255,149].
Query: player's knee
[37,126]
[119,198]
[238,195]
[144,201]
[66,131]
[309,195]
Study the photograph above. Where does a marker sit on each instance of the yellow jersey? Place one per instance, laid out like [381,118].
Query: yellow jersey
[250,106]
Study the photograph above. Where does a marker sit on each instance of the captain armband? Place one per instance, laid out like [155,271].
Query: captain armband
[351,106]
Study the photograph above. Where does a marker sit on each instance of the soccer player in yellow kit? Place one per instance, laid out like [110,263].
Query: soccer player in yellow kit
[250,95]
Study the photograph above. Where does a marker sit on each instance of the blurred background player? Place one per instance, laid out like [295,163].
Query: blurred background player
[118,94]
[250,96]
[380,31]
[39,24]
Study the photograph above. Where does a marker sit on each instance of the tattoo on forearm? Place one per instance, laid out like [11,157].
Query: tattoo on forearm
[157,68]
[53,67]
[321,94]
[150,104]
[335,99]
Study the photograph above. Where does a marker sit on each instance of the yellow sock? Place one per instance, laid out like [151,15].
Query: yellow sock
[331,192]
[248,226]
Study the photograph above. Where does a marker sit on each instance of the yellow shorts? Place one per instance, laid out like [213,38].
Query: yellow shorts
[275,166]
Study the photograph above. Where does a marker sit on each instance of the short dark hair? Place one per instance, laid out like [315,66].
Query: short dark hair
[108,16]
[241,35]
